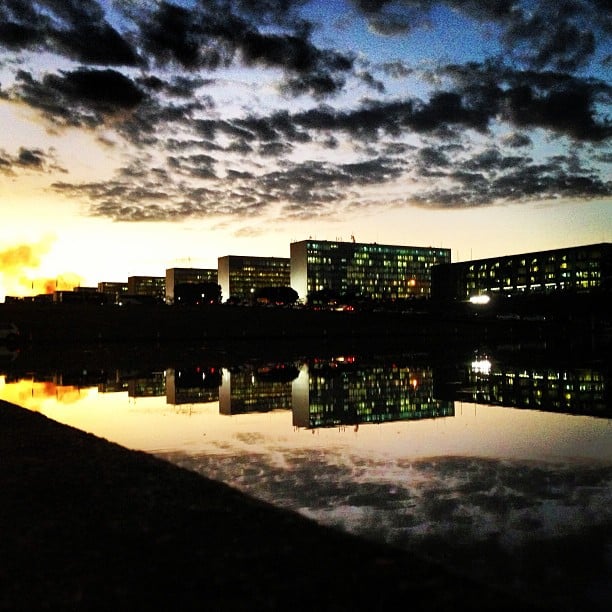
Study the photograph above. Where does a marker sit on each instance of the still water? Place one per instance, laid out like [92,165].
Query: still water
[500,468]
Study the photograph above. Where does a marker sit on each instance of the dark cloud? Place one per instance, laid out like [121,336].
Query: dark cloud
[561,35]
[27,159]
[206,36]
[323,185]
[394,17]
[106,90]
[558,35]
[124,200]
[517,140]
[428,156]
[137,197]
[197,165]
[96,44]
[489,178]
[492,160]
[213,36]
[397,69]
[558,102]
[274,149]
[74,28]
[175,34]
[78,98]
[143,193]
[443,110]
[31,157]
[186,87]
[565,108]
[19,36]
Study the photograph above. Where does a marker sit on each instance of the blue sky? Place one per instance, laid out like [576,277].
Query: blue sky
[137,136]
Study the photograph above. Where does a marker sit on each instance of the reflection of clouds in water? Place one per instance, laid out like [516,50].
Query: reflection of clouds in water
[530,522]
[456,496]
[250,437]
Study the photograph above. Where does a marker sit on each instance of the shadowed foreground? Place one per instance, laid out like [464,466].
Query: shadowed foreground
[86,524]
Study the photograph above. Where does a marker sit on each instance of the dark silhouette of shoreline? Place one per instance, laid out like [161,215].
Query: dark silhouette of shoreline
[580,323]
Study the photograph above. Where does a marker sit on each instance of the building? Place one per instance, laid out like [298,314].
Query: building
[580,269]
[177,276]
[150,286]
[369,271]
[241,276]
[80,295]
[113,291]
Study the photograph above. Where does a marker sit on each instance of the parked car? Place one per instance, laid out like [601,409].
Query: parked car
[9,333]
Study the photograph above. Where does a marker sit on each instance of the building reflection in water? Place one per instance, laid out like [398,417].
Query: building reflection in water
[348,391]
[572,390]
[257,389]
[152,385]
[341,392]
[192,385]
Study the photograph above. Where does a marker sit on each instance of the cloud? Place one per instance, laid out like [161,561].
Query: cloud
[211,36]
[507,518]
[233,107]
[29,160]
[558,102]
[490,178]
[74,28]
[516,140]
[561,35]
[83,97]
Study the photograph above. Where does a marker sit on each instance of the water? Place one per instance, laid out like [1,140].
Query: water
[499,466]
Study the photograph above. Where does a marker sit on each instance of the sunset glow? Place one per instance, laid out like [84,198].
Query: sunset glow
[139,136]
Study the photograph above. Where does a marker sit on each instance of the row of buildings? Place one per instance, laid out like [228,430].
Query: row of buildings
[371,271]
[378,273]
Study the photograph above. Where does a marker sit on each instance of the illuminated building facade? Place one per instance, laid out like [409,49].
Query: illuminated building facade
[80,295]
[240,276]
[582,269]
[176,276]
[152,286]
[371,271]
[113,291]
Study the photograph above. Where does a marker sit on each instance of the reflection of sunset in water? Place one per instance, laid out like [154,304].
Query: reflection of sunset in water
[153,425]
[39,395]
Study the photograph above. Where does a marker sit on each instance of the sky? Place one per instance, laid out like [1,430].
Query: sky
[137,136]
